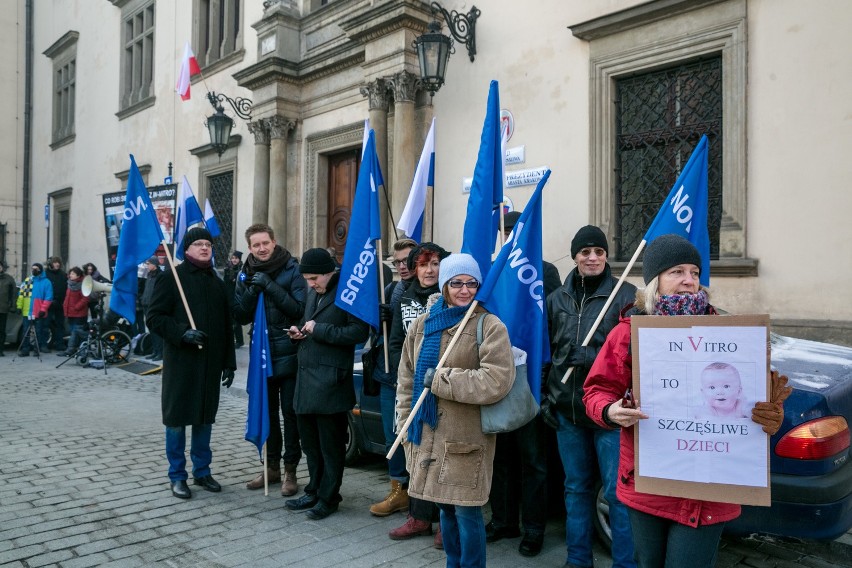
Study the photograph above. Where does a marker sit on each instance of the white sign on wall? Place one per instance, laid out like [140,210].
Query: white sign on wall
[525,177]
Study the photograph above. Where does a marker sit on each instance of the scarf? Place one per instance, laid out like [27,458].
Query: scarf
[202,264]
[277,260]
[440,317]
[75,285]
[682,304]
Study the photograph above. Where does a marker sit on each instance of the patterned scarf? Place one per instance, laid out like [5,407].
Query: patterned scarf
[440,318]
[682,304]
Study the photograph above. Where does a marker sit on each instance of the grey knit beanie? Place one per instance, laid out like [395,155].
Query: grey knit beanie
[456,264]
[667,251]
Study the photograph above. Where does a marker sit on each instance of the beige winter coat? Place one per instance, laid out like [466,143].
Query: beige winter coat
[453,463]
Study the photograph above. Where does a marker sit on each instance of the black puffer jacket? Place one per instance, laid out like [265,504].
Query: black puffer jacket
[571,311]
[284,301]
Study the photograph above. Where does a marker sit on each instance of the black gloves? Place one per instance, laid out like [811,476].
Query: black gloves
[428,378]
[385,313]
[227,378]
[194,337]
[548,413]
[261,280]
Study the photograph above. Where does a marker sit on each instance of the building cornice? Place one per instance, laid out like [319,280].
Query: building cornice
[636,16]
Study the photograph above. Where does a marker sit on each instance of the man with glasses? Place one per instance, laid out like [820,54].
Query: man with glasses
[195,358]
[586,449]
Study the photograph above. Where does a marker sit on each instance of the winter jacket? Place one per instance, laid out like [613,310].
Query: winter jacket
[191,376]
[148,290]
[412,304]
[59,281]
[324,383]
[454,462]
[35,296]
[608,379]
[8,289]
[570,317]
[284,302]
[75,305]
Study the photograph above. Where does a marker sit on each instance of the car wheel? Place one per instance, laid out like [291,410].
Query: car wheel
[353,448]
[601,518]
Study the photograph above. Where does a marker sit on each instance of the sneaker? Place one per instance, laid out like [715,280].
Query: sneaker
[411,528]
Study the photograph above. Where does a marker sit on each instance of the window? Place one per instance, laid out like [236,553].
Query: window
[137,58]
[61,223]
[64,55]
[674,46]
[660,117]
[218,34]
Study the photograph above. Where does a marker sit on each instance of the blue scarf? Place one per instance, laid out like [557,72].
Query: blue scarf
[440,318]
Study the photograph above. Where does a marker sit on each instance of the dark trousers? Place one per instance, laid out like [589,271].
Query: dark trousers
[519,481]
[238,334]
[3,331]
[56,324]
[324,443]
[661,543]
[280,391]
[156,341]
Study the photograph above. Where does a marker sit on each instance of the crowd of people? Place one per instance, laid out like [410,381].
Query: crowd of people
[446,468]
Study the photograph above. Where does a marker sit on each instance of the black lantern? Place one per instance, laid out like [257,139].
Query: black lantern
[434,48]
[219,125]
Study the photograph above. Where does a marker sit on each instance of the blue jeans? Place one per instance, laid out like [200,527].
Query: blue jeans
[396,465]
[582,449]
[463,531]
[199,451]
[663,543]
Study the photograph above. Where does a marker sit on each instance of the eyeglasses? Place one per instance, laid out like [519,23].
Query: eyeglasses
[399,261]
[470,284]
[201,244]
[588,251]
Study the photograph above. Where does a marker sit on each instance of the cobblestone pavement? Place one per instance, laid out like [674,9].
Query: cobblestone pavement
[83,483]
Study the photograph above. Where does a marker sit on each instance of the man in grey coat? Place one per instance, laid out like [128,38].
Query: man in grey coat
[325,391]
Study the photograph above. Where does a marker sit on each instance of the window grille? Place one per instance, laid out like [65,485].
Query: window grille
[221,195]
[660,117]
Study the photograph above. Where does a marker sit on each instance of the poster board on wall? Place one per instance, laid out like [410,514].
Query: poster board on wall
[697,378]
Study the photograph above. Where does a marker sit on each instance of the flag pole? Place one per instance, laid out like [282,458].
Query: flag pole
[265,473]
[179,286]
[426,391]
[608,303]
[382,301]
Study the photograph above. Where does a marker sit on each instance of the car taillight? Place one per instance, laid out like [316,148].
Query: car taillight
[815,440]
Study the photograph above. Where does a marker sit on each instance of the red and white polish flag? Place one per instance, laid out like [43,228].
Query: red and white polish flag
[188,68]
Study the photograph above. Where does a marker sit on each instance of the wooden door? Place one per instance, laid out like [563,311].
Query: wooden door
[342,178]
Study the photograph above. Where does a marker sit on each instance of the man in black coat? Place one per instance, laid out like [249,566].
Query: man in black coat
[231,272]
[325,391]
[195,360]
[270,268]
[55,316]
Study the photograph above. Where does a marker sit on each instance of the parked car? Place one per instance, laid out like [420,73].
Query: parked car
[14,329]
[810,470]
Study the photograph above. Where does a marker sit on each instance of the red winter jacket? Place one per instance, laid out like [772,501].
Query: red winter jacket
[610,376]
[75,305]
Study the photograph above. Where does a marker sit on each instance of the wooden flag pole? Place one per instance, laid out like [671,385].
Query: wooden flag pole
[265,473]
[179,286]
[607,304]
[381,300]
[425,391]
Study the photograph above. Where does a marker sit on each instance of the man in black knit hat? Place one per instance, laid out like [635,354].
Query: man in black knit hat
[195,359]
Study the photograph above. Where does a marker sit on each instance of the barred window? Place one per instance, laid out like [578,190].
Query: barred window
[221,194]
[137,62]
[660,117]
[218,32]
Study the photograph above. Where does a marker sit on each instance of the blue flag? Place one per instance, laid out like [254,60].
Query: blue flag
[357,291]
[259,369]
[486,191]
[188,215]
[210,220]
[514,289]
[684,212]
[140,237]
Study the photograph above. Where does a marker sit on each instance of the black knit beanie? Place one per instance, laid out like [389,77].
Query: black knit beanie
[425,247]
[510,219]
[588,236]
[316,261]
[667,251]
[196,234]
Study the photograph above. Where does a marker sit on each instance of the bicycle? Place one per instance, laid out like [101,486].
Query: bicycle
[98,348]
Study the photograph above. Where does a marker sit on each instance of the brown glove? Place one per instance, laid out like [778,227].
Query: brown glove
[770,415]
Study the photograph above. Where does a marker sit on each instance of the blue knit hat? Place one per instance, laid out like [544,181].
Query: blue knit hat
[456,264]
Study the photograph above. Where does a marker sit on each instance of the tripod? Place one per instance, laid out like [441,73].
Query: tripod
[30,336]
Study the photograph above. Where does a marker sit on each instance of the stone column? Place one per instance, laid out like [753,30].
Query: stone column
[405,150]
[378,98]
[279,129]
[260,199]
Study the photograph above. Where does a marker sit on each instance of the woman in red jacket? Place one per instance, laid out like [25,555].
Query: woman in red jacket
[76,308]
[667,531]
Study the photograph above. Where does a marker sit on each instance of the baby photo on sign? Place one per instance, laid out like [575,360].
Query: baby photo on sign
[724,390]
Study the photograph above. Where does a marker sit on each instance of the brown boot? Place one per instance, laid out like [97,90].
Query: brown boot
[272,472]
[411,528]
[289,487]
[396,500]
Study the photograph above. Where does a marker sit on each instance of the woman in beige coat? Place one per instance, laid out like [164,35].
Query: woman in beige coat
[449,458]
